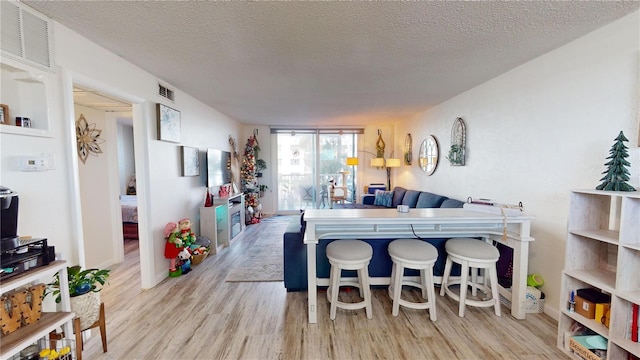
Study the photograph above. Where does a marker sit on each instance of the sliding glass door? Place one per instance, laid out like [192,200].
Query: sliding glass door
[309,161]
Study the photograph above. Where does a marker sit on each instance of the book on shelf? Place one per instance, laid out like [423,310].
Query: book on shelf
[634,322]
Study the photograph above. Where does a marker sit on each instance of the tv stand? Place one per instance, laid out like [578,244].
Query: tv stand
[223,221]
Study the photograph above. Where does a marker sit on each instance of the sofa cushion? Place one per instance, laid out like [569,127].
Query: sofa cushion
[398,194]
[411,198]
[452,203]
[383,198]
[429,200]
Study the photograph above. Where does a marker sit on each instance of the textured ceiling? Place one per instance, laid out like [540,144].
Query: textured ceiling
[329,63]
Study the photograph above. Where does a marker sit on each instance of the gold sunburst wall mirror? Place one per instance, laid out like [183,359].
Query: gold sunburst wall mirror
[88,138]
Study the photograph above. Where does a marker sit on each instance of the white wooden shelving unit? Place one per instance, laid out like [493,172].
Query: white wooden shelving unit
[13,343]
[603,252]
[223,221]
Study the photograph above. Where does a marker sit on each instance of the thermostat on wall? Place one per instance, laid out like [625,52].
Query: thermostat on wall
[34,163]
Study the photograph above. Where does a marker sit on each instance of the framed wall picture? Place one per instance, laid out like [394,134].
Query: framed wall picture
[190,161]
[4,114]
[168,123]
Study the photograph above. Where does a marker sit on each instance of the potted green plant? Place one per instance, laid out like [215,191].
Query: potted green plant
[263,188]
[260,166]
[84,289]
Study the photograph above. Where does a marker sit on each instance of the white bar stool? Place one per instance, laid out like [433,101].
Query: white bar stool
[471,254]
[413,254]
[349,255]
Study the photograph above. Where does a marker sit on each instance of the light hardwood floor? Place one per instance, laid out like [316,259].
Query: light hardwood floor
[200,316]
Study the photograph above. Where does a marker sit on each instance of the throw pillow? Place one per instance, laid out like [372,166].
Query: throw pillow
[383,198]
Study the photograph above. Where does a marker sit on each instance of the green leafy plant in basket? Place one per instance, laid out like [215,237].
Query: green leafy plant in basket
[80,281]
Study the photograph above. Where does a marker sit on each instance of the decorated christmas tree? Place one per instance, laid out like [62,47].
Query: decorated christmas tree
[248,179]
[617,175]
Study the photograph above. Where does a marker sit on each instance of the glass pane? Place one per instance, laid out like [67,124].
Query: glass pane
[307,163]
[296,171]
[334,151]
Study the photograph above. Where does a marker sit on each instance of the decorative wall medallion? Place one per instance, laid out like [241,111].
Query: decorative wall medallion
[458,143]
[380,145]
[408,152]
[88,138]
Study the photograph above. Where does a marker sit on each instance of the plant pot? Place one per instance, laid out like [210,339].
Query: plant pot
[87,308]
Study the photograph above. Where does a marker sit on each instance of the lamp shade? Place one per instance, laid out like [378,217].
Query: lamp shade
[352,161]
[393,162]
[377,162]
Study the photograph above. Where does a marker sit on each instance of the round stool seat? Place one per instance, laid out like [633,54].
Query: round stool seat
[472,249]
[418,255]
[349,251]
[413,250]
[471,254]
[349,255]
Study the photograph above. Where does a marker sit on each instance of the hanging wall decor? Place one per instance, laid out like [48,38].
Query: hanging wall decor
[408,152]
[380,145]
[88,139]
[168,123]
[458,143]
[190,161]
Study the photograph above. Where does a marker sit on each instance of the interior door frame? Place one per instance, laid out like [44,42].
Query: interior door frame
[139,111]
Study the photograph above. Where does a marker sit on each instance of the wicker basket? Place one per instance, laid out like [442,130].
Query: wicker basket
[197,259]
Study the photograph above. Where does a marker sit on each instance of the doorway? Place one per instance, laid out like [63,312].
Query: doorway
[100,179]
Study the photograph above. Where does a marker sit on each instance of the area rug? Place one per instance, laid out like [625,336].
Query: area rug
[263,260]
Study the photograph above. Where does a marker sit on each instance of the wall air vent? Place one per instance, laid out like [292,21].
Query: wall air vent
[26,35]
[165,92]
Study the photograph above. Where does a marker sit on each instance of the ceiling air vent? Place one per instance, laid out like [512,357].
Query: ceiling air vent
[165,92]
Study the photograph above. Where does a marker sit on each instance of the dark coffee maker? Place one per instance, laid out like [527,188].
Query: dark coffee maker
[8,218]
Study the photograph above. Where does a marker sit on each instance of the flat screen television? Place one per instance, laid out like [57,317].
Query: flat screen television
[218,167]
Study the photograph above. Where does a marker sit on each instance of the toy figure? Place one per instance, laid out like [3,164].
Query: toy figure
[185,257]
[185,233]
[172,247]
[131,186]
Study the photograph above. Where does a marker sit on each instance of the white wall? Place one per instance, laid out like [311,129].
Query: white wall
[96,202]
[537,132]
[49,199]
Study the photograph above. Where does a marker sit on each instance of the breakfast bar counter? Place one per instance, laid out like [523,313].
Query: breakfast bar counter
[512,231]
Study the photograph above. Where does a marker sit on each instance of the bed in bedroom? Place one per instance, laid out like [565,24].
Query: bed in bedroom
[129,216]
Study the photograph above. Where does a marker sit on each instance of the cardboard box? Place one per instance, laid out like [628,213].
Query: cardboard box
[601,310]
[581,346]
[586,301]
[585,307]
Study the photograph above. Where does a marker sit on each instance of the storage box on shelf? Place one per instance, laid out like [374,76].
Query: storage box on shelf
[13,343]
[603,252]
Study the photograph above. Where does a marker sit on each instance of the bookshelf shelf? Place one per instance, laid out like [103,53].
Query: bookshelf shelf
[603,252]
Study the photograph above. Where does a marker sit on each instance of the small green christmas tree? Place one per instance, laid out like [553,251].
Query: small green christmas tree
[617,174]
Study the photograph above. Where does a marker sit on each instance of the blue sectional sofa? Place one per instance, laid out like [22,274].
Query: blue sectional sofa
[295,252]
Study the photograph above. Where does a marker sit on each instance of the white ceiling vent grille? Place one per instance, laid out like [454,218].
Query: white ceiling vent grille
[26,35]
[165,92]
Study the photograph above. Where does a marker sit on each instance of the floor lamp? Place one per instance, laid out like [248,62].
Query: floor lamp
[391,163]
[353,162]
